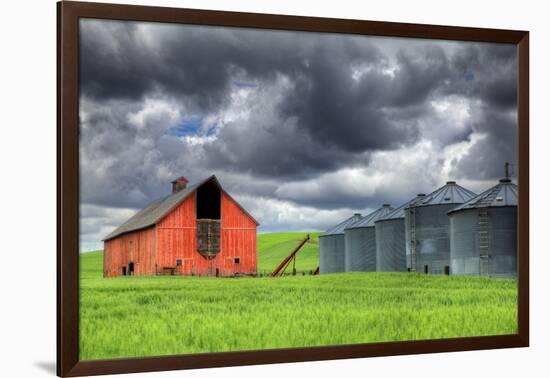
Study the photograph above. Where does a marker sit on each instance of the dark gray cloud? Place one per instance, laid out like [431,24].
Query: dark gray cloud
[491,70]
[487,72]
[299,122]
[486,158]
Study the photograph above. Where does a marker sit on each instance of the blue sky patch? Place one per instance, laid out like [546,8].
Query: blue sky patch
[189,126]
[245,84]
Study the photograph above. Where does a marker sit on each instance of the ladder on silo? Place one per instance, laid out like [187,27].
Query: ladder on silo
[412,227]
[484,242]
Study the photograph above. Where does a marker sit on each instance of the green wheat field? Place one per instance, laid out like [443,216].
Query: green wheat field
[164,315]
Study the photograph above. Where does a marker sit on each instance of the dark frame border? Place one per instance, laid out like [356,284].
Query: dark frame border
[68,14]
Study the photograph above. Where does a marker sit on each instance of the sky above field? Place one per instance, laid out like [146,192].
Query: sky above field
[303,129]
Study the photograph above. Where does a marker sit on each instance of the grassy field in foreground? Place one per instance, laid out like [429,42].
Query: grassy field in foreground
[148,316]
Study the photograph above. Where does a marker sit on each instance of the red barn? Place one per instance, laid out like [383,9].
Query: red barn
[196,230]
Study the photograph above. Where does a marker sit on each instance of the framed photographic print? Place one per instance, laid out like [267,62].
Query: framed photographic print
[240,188]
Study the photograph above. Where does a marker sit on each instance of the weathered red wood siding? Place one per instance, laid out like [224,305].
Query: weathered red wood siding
[117,253]
[176,238]
[176,235]
[238,239]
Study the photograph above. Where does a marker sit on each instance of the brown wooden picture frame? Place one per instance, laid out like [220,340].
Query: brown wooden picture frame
[69,13]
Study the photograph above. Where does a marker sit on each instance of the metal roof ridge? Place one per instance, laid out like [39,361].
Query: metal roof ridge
[456,194]
[488,196]
[332,230]
[370,218]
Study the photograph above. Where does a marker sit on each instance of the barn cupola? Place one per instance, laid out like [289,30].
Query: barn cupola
[179,184]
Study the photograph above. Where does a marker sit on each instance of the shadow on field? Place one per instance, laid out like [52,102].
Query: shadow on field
[47,366]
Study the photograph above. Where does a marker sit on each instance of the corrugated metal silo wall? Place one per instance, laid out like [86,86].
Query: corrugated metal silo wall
[390,246]
[502,231]
[360,252]
[433,247]
[331,254]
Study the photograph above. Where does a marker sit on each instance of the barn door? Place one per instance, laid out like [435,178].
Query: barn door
[208,237]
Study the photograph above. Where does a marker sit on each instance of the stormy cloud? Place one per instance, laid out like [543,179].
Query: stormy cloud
[302,128]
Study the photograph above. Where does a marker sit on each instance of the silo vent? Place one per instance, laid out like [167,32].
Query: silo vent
[447,198]
[386,205]
[421,195]
[499,199]
[357,214]
[505,180]
[451,182]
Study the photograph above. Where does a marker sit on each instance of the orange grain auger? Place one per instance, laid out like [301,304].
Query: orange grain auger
[290,258]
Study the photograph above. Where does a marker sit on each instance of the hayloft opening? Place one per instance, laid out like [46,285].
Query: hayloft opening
[209,201]
[208,219]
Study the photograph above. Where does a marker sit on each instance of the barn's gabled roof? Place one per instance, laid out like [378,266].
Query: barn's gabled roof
[158,209]
[369,219]
[505,193]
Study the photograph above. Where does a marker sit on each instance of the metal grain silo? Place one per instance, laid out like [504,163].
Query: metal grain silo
[332,246]
[391,251]
[360,242]
[484,233]
[427,229]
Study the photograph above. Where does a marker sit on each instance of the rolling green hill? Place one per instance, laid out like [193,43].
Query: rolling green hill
[91,264]
[274,247]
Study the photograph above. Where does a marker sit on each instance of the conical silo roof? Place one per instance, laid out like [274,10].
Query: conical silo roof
[450,193]
[399,212]
[368,220]
[505,193]
[339,228]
